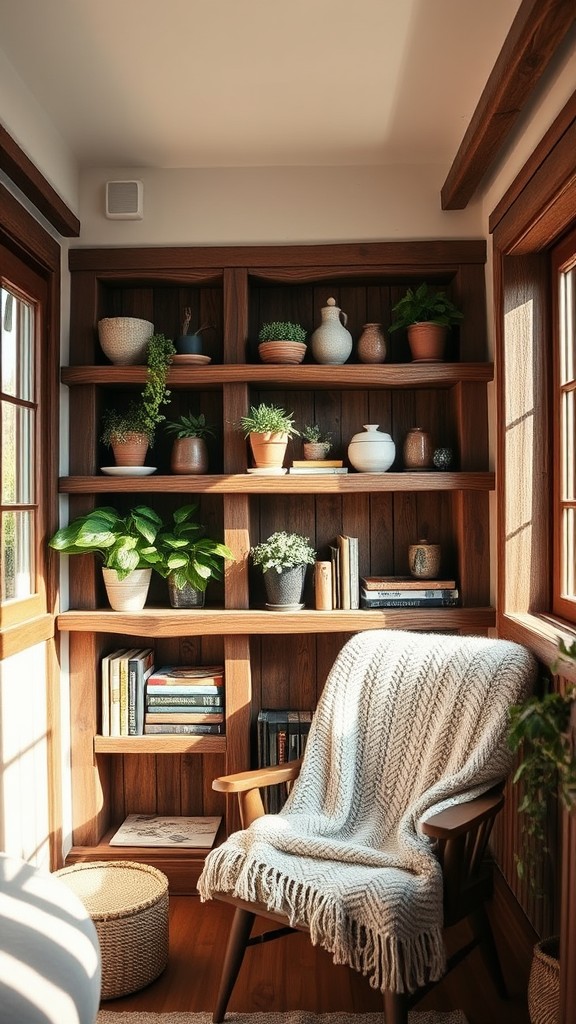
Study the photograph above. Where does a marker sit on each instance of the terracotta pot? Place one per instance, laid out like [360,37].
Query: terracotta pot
[128,595]
[427,342]
[268,449]
[132,451]
[287,352]
[189,455]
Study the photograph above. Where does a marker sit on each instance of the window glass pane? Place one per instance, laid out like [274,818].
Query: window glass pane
[17,455]
[568,446]
[16,552]
[17,358]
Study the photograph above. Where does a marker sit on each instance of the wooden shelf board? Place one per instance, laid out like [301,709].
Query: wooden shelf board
[349,375]
[174,622]
[245,483]
[170,743]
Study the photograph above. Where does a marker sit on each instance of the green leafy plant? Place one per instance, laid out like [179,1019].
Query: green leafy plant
[123,542]
[186,554]
[539,731]
[279,330]
[189,426]
[143,415]
[424,305]
[283,551]
[263,419]
[315,435]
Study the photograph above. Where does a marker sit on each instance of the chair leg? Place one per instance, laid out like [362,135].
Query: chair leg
[395,1008]
[237,941]
[489,950]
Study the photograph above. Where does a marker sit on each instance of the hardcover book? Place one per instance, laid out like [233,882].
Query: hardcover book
[184,729]
[315,470]
[185,675]
[318,463]
[404,583]
[170,714]
[382,595]
[166,830]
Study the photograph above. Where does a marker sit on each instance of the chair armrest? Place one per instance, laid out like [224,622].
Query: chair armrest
[457,820]
[259,777]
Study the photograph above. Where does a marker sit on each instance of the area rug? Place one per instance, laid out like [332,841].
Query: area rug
[294,1017]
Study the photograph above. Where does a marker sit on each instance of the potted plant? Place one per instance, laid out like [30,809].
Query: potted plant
[540,731]
[187,558]
[427,316]
[282,342]
[283,558]
[268,427]
[190,342]
[189,449]
[317,442]
[124,543]
[131,432]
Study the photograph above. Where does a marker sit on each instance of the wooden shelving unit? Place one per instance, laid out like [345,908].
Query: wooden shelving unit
[271,659]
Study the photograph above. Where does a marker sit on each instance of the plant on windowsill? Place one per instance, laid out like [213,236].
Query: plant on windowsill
[540,731]
[131,432]
[268,427]
[316,442]
[282,342]
[188,559]
[189,448]
[427,315]
[283,558]
[124,543]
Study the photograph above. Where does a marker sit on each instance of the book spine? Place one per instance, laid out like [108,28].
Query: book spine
[189,684]
[171,689]
[344,548]
[382,595]
[317,463]
[114,669]
[105,678]
[404,583]
[318,471]
[416,602]
[181,717]
[188,700]
[354,578]
[184,729]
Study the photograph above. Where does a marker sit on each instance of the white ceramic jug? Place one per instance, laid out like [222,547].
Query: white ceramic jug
[331,343]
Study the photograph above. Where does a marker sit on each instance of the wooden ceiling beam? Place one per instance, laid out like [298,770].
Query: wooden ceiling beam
[536,33]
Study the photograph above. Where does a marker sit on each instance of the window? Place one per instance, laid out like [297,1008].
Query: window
[23,312]
[564,414]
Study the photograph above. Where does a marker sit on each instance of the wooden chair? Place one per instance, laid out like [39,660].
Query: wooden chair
[479,678]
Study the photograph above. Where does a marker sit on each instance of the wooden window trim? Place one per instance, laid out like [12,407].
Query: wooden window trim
[562,255]
[33,184]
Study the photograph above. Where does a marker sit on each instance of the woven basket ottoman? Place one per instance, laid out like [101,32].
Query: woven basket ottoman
[128,903]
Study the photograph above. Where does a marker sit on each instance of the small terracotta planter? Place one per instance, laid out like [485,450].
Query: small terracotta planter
[268,449]
[427,342]
[132,451]
[287,352]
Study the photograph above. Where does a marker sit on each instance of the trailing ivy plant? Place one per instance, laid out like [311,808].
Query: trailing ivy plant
[143,415]
[539,731]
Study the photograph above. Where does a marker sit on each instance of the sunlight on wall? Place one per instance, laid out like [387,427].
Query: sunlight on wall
[24,828]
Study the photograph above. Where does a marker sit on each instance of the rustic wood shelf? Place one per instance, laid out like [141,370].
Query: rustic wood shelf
[173,622]
[170,743]
[245,483]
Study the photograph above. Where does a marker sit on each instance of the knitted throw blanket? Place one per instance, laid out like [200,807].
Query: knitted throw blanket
[407,725]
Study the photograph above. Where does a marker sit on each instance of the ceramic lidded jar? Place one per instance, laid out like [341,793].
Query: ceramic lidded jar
[372,451]
[331,342]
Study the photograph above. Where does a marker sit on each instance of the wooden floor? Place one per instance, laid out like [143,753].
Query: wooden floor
[289,973]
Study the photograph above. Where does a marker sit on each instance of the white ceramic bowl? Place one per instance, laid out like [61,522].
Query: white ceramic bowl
[124,339]
[372,451]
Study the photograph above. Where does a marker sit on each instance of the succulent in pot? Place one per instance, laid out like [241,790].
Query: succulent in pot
[126,545]
[283,558]
[189,448]
[282,342]
[316,442]
[426,315]
[136,424]
[187,558]
[268,427]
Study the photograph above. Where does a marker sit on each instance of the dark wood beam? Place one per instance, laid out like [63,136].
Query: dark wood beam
[536,32]
[25,174]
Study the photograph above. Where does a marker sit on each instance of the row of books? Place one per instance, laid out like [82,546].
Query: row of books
[282,736]
[344,565]
[407,592]
[316,466]
[138,699]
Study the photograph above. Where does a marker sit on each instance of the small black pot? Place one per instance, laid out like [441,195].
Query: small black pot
[189,345]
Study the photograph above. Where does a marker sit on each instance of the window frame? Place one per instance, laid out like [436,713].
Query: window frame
[563,260]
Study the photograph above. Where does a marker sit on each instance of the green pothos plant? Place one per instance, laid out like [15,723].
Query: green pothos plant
[540,732]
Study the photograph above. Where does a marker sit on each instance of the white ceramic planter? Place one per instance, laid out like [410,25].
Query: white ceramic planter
[372,451]
[128,595]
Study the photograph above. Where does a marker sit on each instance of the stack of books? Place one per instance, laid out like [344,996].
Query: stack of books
[312,466]
[123,679]
[406,592]
[344,563]
[282,736]
[185,699]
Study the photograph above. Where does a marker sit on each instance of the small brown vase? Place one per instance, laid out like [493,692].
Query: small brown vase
[427,342]
[417,449]
[189,455]
[424,560]
[315,450]
[372,344]
[132,451]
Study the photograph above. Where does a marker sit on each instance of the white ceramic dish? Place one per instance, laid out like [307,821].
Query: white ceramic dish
[267,472]
[128,470]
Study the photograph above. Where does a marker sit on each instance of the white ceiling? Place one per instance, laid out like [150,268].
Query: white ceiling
[223,83]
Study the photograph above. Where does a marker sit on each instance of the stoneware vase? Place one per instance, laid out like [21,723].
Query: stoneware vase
[372,346]
[189,455]
[417,449]
[284,589]
[268,449]
[331,342]
[129,594]
[372,451]
[424,560]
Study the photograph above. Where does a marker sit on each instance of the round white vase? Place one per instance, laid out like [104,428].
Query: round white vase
[331,342]
[373,451]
